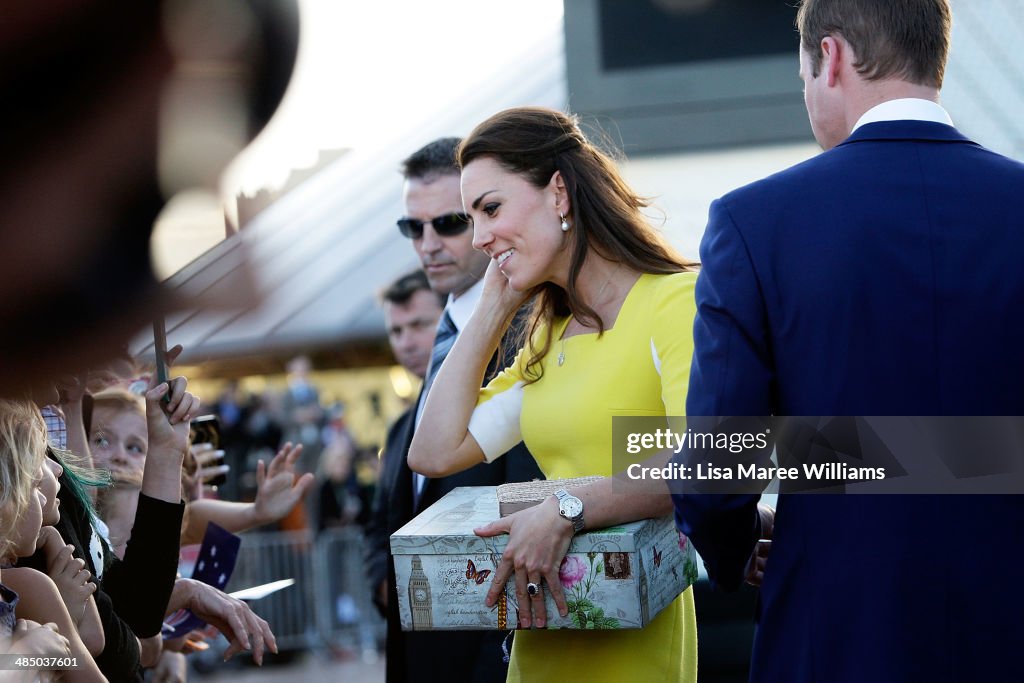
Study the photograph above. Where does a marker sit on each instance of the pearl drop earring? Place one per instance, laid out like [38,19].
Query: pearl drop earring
[565,223]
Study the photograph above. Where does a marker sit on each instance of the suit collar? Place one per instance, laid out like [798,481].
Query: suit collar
[906,130]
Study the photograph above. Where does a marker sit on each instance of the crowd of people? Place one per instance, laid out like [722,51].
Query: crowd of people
[872,279]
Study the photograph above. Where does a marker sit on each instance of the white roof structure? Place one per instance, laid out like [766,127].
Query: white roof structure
[318,255]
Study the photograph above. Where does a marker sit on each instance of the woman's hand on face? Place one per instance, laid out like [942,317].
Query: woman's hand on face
[497,295]
[538,540]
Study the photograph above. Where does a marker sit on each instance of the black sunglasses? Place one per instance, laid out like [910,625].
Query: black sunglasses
[446,226]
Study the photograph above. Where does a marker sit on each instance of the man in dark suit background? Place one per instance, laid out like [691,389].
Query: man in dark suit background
[442,237]
[411,311]
[882,277]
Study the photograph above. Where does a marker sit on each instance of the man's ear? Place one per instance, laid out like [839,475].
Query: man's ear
[834,52]
[557,187]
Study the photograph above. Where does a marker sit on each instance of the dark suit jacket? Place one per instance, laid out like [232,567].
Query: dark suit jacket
[428,656]
[883,277]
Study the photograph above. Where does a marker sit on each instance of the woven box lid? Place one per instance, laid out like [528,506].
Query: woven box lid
[525,494]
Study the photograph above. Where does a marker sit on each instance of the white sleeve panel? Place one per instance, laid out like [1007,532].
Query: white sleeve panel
[495,422]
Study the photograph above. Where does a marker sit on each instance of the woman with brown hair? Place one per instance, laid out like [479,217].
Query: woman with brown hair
[610,334]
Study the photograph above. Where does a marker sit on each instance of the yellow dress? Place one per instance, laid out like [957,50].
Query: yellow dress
[639,367]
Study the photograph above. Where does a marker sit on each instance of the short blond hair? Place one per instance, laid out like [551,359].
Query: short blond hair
[119,399]
[22,450]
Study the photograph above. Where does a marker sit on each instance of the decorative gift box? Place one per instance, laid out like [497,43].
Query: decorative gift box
[614,578]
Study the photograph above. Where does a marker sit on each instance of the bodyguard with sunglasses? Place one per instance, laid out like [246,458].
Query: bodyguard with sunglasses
[443,239]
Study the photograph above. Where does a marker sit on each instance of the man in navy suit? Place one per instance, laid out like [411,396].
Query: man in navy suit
[882,277]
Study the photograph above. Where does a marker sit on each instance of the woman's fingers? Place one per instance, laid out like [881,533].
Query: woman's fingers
[535,589]
[524,600]
[208,474]
[204,453]
[555,589]
[501,575]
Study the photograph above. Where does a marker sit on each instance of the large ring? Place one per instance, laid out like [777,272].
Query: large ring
[532,589]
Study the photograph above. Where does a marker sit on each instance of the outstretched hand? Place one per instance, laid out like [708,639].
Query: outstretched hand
[278,488]
[240,625]
[538,540]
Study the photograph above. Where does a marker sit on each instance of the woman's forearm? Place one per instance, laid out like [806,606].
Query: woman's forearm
[442,444]
[232,516]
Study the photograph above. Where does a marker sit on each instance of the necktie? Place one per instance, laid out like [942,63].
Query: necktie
[444,339]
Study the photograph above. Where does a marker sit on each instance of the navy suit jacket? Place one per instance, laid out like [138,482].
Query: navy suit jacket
[883,277]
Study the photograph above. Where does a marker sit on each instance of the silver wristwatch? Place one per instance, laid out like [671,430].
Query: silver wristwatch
[570,507]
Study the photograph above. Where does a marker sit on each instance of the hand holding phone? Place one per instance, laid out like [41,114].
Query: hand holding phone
[210,467]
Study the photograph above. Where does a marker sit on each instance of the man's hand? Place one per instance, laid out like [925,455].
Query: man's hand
[232,617]
[759,558]
[278,489]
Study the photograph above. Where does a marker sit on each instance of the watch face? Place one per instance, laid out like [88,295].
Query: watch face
[571,507]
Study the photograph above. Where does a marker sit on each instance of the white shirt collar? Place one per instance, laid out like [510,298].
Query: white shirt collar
[461,308]
[905,109]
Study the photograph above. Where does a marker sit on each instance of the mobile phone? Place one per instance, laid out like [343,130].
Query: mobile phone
[206,429]
[160,352]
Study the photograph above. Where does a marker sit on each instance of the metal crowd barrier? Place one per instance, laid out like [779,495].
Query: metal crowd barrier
[330,604]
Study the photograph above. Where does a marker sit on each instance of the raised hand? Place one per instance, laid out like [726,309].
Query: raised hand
[278,488]
[168,421]
[167,425]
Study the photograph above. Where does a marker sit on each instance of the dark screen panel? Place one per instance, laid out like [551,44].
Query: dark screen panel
[645,33]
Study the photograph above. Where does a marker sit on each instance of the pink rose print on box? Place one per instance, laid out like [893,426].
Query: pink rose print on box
[578,578]
[572,571]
